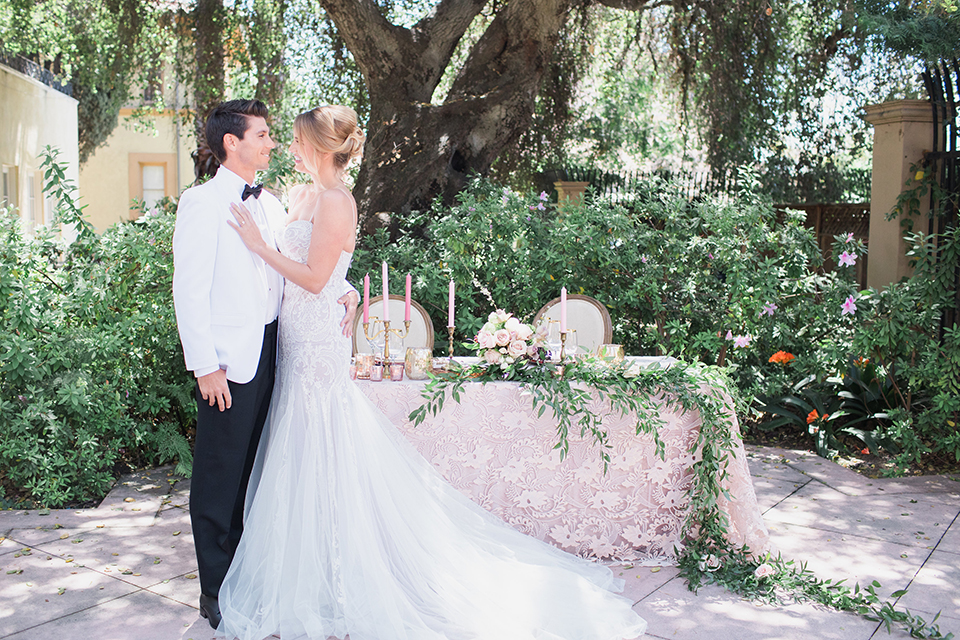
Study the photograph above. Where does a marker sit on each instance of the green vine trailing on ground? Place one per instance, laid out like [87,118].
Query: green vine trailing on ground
[707,556]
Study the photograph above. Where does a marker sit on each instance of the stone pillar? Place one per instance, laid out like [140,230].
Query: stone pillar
[571,192]
[902,132]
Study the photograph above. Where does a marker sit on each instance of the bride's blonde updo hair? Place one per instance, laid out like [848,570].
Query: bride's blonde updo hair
[331,129]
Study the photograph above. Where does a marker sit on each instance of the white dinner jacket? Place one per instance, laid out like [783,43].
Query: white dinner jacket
[220,289]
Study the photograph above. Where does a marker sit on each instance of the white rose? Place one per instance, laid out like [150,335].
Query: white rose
[492,318]
[517,348]
[512,325]
[709,563]
[524,332]
[492,356]
[532,351]
[489,327]
[502,337]
[503,316]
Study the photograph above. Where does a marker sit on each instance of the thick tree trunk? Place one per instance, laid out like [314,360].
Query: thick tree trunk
[209,19]
[417,151]
[267,43]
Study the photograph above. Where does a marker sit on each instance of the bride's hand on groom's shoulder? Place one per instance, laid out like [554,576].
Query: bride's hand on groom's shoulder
[247,227]
[349,300]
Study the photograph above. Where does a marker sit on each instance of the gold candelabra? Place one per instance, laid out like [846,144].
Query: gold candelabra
[450,333]
[563,345]
[385,332]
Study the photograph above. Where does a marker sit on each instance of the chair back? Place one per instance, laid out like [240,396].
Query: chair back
[421,327]
[585,315]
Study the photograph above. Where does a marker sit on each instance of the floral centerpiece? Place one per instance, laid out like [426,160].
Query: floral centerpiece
[504,342]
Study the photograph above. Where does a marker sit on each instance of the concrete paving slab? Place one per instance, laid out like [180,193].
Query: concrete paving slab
[676,613]
[642,581]
[950,542]
[49,588]
[140,615]
[856,559]
[184,589]
[199,630]
[774,483]
[131,554]
[895,518]
[32,518]
[935,587]
[42,535]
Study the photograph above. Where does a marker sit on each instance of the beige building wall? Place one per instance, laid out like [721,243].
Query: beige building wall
[32,116]
[136,162]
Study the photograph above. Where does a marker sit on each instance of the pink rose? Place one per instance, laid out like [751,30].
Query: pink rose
[502,337]
[486,340]
[492,356]
[532,351]
[764,571]
[517,348]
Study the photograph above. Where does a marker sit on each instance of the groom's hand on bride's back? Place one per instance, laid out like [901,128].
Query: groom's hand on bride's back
[215,390]
[349,301]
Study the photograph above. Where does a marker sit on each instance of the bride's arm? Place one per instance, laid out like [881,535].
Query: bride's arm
[333,225]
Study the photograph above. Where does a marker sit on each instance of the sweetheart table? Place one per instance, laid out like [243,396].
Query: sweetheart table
[493,447]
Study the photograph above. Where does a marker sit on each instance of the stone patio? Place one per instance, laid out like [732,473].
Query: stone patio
[126,570]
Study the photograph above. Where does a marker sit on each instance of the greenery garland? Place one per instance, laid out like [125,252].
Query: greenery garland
[707,555]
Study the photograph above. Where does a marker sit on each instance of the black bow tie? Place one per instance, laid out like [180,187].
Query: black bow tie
[251,191]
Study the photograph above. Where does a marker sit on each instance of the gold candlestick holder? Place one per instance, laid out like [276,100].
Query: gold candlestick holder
[563,346]
[386,332]
[450,333]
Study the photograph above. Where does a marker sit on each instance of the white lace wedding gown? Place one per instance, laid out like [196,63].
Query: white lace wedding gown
[352,532]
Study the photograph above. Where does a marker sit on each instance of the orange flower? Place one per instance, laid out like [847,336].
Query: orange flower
[813,415]
[865,451]
[781,357]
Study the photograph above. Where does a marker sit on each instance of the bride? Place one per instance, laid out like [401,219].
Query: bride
[350,531]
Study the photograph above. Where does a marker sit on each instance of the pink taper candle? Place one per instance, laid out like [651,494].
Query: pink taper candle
[406,300]
[563,309]
[366,298]
[386,294]
[450,306]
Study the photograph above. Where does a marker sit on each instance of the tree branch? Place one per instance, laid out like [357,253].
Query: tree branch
[380,48]
[632,5]
[440,31]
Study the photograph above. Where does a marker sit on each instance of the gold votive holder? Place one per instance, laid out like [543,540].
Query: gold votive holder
[396,371]
[418,363]
[612,354]
[365,362]
[376,372]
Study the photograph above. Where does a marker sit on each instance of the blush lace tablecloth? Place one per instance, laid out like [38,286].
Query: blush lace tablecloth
[493,448]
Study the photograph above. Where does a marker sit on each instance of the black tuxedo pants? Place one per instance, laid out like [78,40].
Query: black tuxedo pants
[224,451]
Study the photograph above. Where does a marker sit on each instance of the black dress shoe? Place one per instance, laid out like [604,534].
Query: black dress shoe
[210,609]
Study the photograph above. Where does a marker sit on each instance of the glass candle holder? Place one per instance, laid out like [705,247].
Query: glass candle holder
[353,369]
[396,371]
[611,353]
[418,362]
[376,372]
[365,362]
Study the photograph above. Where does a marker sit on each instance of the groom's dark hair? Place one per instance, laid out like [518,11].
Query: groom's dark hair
[230,117]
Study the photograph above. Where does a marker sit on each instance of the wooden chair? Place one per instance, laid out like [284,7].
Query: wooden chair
[585,315]
[421,327]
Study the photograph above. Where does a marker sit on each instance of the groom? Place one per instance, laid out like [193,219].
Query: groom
[227,303]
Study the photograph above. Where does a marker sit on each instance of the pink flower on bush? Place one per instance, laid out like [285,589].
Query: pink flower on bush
[849,238]
[486,340]
[768,309]
[729,335]
[848,259]
[543,195]
[502,336]
[849,306]
[492,356]
[517,348]
[740,342]
[764,571]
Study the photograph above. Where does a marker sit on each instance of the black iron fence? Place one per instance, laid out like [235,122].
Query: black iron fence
[33,70]
[943,86]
